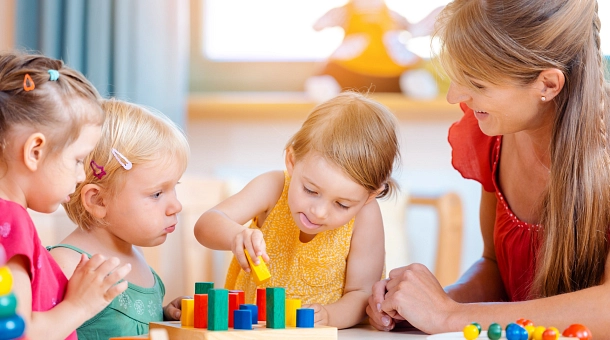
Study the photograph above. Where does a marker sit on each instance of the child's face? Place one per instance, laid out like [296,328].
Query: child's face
[145,209]
[59,174]
[321,196]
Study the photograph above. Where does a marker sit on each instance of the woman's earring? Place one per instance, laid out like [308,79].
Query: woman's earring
[543,98]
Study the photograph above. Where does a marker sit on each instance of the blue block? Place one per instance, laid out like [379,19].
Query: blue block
[253,309]
[305,317]
[242,319]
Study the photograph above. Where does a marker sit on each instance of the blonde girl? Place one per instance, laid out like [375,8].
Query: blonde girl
[50,120]
[318,222]
[126,201]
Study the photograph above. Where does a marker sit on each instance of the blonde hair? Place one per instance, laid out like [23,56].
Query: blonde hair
[355,133]
[512,41]
[139,135]
[58,108]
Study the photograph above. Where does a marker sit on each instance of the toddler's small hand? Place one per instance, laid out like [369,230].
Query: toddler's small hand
[250,240]
[320,314]
[95,283]
[173,310]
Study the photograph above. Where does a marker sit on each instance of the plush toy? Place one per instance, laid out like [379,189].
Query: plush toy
[372,56]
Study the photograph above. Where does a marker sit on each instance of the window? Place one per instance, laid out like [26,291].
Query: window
[281,30]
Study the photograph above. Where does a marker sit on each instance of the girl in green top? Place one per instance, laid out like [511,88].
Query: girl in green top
[127,200]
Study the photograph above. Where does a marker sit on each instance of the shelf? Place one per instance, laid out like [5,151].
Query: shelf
[296,106]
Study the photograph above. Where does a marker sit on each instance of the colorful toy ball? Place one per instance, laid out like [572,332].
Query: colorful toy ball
[471,332]
[494,332]
[551,333]
[524,322]
[578,331]
[538,332]
[478,326]
[516,332]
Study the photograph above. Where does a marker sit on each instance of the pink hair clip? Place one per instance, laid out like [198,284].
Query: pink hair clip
[98,171]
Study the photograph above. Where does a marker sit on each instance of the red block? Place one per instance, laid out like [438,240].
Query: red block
[242,296]
[233,305]
[201,311]
[261,303]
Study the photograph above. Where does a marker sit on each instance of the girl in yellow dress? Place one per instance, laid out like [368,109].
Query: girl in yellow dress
[318,221]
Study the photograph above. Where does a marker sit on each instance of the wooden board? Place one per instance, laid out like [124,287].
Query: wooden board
[260,332]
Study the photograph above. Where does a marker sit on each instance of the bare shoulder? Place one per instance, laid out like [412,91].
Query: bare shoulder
[67,259]
[267,186]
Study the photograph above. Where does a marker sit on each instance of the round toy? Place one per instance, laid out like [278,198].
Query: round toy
[494,332]
[578,331]
[471,332]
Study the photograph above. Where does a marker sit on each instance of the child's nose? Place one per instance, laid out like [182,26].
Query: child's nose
[319,210]
[174,207]
[457,94]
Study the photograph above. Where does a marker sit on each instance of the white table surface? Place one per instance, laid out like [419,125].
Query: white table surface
[368,332]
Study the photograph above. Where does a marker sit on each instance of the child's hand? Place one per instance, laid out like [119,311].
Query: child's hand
[173,310]
[252,241]
[94,283]
[320,316]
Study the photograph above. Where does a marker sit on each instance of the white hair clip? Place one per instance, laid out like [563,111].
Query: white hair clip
[125,163]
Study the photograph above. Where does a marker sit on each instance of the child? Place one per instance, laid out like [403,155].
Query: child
[319,220]
[127,200]
[50,120]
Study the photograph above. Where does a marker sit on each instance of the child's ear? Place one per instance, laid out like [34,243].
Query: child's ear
[375,193]
[92,200]
[33,150]
[289,159]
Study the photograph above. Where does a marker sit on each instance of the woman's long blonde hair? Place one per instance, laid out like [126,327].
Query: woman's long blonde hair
[514,40]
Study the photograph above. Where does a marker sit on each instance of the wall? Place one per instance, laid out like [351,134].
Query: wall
[7,30]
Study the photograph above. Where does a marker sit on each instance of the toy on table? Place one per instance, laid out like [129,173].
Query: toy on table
[373,53]
[208,316]
[524,329]
[12,325]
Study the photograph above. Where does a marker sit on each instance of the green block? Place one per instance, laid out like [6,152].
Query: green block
[203,287]
[218,309]
[276,307]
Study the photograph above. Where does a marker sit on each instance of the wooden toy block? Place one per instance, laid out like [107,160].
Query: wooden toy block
[233,305]
[241,294]
[203,287]
[253,309]
[291,311]
[261,303]
[260,271]
[243,319]
[201,311]
[276,307]
[188,309]
[258,332]
[218,310]
[305,317]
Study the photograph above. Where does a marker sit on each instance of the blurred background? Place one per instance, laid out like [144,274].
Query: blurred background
[240,76]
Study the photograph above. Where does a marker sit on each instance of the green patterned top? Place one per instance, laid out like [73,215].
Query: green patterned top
[128,314]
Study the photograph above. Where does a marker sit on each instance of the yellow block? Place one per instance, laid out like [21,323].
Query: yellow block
[6,280]
[261,273]
[188,313]
[291,311]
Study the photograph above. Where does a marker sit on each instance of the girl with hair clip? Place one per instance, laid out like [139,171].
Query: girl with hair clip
[50,120]
[529,76]
[127,200]
[318,221]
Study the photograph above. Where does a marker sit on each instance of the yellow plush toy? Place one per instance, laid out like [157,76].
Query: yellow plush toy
[371,55]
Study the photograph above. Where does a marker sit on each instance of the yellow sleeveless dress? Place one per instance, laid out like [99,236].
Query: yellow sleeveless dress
[313,272]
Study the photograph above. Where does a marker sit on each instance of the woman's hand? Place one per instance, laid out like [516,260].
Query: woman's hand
[252,241]
[414,294]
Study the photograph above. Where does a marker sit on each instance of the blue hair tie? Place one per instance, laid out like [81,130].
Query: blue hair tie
[53,75]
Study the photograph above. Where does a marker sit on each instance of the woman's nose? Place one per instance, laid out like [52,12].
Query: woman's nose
[457,94]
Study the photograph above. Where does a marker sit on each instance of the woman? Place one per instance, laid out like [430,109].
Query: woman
[529,77]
